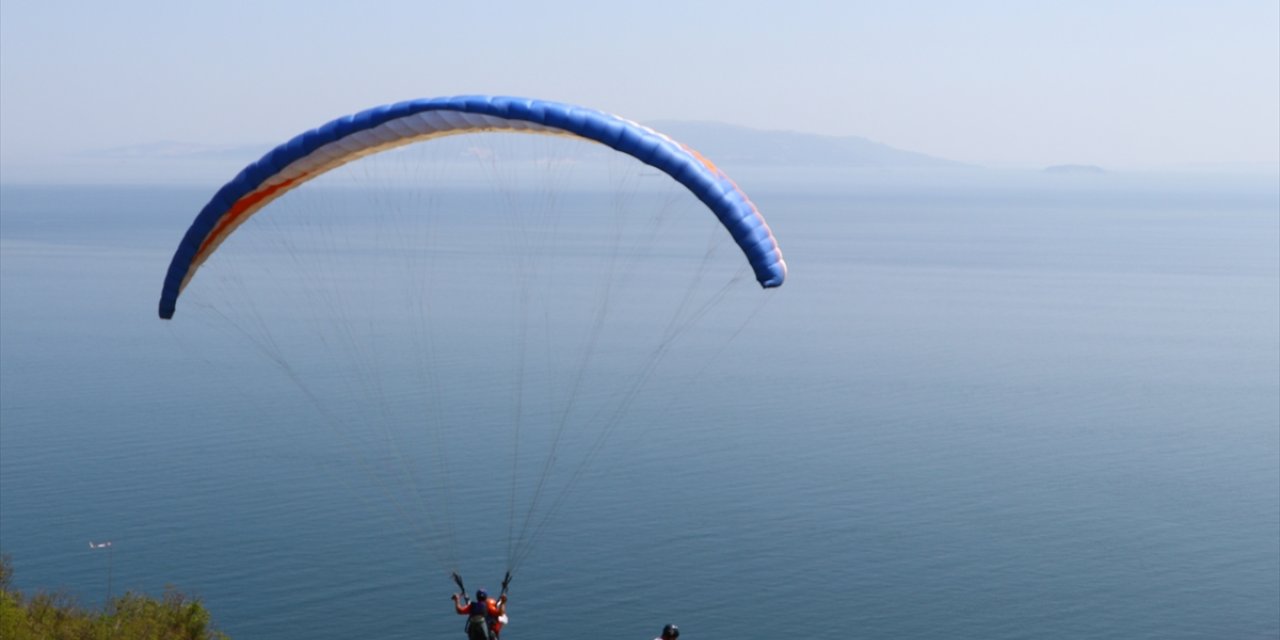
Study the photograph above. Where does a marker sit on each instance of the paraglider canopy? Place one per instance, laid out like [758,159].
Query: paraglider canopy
[345,139]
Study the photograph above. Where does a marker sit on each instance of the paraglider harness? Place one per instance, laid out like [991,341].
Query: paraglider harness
[478,623]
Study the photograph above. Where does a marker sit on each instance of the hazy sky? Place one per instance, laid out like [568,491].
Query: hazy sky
[1120,84]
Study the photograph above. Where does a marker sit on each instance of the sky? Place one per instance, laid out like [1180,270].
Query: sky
[1121,84]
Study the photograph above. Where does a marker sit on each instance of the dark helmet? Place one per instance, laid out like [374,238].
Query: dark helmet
[670,632]
[482,595]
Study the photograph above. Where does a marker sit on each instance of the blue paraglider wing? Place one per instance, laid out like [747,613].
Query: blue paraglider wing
[380,128]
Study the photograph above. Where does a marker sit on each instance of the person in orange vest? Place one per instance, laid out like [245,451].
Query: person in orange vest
[498,615]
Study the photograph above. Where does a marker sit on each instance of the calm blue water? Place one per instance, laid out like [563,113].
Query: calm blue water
[1010,407]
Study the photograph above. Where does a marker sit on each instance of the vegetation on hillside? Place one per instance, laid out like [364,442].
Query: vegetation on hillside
[57,616]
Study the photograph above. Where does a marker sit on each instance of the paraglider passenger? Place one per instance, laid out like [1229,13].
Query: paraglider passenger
[669,632]
[497,615]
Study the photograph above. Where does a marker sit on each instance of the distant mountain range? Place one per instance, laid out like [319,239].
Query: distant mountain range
[169,149]
[725,144]
[734,145]
[1075,169]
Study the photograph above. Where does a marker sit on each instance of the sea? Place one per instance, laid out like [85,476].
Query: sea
[985,404]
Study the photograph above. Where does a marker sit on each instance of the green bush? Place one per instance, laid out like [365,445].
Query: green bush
[56,616]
